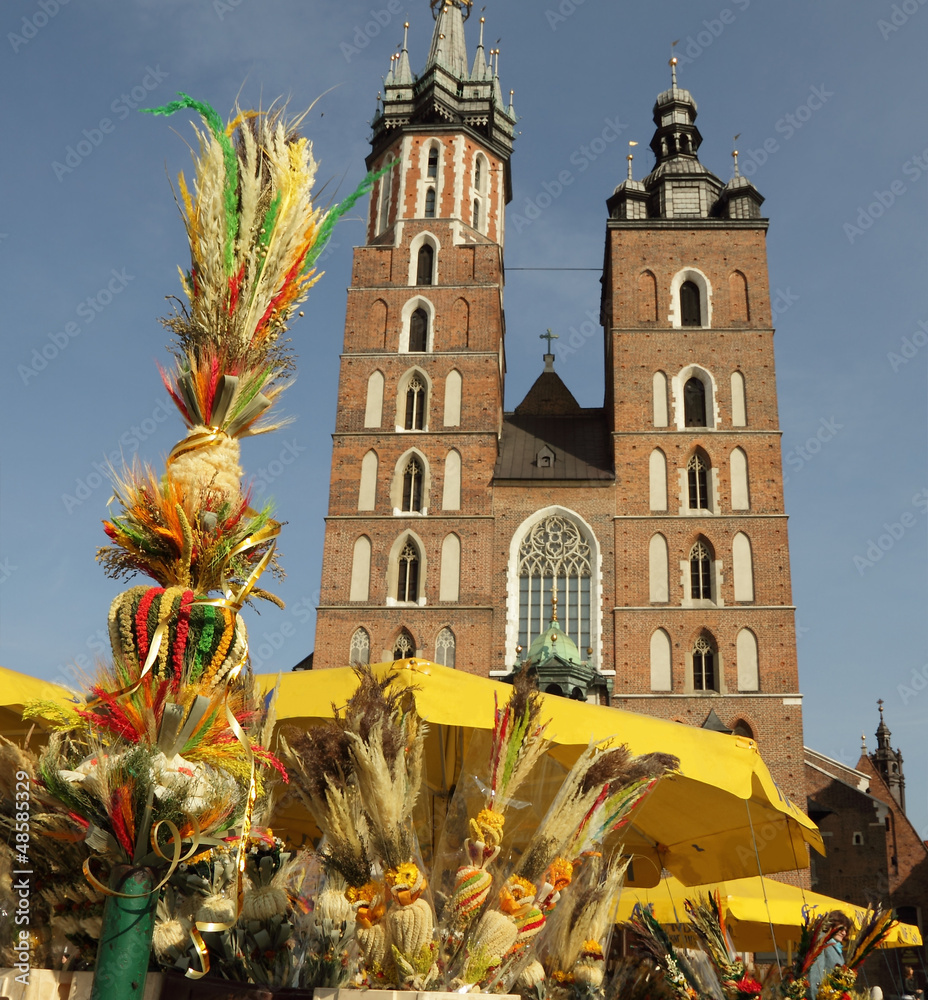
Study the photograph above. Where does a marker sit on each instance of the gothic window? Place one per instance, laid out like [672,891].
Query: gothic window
[412,486]
[360,650]
[690,312]
[386,185]
[697,481]
[430,203]
[658,574]
[405,646]
[704,665]
[554,554]
[419,331]
[407,582]
[415,404]
[700,573]
[746,651]
[478,176]
[476,213]
[657,480]
[444,647]
[742,565]
[740,495]
[738,406]
[425,266]
[659,400]
[360,585]
[661,676]
[694,402]
[433,162]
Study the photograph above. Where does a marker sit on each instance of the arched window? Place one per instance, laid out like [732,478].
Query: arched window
[451,490]
[449,583]
[359,589]
[697,483]
[740,495]
[690,311]
[413,477]
[386,187]
[739,416]
[659,402]
[694,403]
[700,573]
[430,203]
[359,652]
[554,554]
[425,267]
[478,175]
[657,480]
[367,490]
[742,566]
[658,581]
[476,222]
[373,409]
[661,675]
[704,665]
[407,577]
[415,404]
[453,385]
[432,170]
[444,647]
[419,329]
[746,651]
[405,646]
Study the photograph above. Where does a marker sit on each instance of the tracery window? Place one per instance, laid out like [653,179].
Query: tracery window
[554,554]
[444,647]
[704,656]
[415,405]
[700,573]
[360,650]
[412,486]
[407,577]
[404,647]
[697,480]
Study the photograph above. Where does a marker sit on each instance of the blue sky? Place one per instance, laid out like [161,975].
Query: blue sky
[824,96]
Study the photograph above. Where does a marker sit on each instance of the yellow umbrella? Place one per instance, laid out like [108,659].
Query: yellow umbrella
[721,817]
[760,912]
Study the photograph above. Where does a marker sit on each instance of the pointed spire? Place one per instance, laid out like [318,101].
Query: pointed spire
[511,110]
[630,157]
[480,70]
[448,48]
[497,89]
[402,73]
[388,79]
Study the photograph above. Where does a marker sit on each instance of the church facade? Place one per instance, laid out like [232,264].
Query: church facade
[634,553]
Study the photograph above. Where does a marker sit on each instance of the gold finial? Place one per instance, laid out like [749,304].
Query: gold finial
[673,64]
[863,743]
[630,157]
[734,152]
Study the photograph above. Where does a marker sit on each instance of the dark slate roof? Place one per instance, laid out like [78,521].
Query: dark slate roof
[580,443]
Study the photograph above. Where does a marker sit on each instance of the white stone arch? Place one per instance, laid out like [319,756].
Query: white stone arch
[367,488]
[739,407]
[658,569]
[740,489]
[454,387]
[596,580]
[360,587]
[416,302]
[742,567]
[373,407]
[401,388]
[451,487]
[661,661]
[414,247]
[435,182]
[449,582]
[396,484]
[748,668]
[705,298]
[712,398]
[657,480]
[393,568]
[659,400]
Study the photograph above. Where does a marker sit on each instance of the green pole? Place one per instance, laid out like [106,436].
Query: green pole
[125,941]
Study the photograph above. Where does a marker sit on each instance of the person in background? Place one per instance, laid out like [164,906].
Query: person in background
[833,953]
[910,989]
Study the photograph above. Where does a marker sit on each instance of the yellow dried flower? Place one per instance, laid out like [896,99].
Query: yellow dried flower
[559,873]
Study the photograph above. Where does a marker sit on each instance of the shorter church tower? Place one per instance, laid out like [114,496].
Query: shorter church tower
[888,762]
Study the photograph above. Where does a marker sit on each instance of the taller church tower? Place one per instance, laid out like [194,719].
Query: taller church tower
[634,553]
[407,559]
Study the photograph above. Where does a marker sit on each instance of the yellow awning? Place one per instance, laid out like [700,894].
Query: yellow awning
[15,690]
[720,817]
[759,911]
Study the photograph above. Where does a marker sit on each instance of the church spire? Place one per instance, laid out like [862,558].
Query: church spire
[448,47]
[888,762]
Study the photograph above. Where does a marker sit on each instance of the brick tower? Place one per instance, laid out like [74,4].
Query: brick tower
[633,553]
[703,621]
[407,558]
